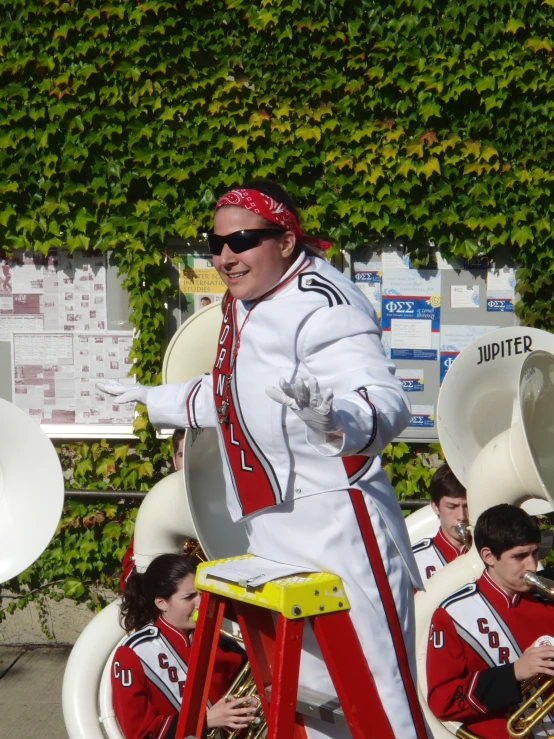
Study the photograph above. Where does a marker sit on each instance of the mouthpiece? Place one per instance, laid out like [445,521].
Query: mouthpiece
[194,617]
[463,531]
[546,587]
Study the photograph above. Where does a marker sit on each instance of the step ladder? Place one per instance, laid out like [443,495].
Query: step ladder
[274,654]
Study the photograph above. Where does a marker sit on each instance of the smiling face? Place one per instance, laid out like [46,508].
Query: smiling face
[252,273]
[508,570]
[178,609]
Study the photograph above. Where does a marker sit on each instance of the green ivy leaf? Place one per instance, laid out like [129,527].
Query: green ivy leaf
[73,588]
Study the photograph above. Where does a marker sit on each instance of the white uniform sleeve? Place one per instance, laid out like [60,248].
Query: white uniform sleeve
[187,405]
[341,347]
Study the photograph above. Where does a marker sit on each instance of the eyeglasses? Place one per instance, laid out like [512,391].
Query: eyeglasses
[240,241]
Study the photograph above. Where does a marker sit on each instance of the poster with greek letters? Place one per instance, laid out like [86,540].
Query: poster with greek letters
[411,313]
[501,289]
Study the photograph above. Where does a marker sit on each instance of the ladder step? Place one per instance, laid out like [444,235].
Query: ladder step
[317,705]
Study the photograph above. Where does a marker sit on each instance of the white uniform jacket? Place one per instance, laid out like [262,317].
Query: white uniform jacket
[315,321]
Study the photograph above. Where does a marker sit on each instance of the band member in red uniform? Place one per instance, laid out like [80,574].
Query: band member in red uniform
[304,401]
[482,636]
[149,668]
[448,500]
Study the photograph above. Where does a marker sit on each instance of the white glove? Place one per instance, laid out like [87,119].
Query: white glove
[127,393]
[315,409]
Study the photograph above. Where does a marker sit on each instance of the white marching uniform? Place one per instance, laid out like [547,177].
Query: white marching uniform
[309,499]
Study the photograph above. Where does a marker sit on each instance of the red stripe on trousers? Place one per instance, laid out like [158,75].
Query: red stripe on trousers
[383,585]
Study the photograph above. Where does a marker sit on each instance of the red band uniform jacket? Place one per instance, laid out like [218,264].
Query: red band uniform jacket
[431,555]
[149,671]
[476,635]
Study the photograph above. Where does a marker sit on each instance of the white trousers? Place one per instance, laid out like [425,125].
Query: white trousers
[324,531]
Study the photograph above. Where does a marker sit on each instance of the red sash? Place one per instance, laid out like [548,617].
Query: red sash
[254,479]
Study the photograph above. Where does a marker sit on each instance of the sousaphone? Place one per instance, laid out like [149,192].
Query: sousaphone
[495,420]
[31,491]
[187,504]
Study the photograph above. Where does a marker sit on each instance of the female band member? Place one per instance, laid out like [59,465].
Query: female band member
[305,400]
[149,668]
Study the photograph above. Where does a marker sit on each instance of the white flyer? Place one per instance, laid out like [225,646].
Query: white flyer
[68,291]
[423,416]
[410,334]
[394,258]
[501,289]
[412,379]
[456,338]
[369,282]
[55,376]
[9,323]
[464,296]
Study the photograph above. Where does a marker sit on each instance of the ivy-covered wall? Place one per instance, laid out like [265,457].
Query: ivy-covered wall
[121,122]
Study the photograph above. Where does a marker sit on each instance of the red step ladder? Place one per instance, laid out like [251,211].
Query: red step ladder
[274,654]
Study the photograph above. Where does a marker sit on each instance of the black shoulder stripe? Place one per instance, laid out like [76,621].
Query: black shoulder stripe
[422,545]
[332,286]
[144,634]
[311,281]
[464,592]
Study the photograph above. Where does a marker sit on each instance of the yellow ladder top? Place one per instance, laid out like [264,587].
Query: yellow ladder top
[295,596]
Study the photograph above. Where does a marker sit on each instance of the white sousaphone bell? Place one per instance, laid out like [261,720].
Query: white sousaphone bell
[496,427]
[31,491]
[187,504]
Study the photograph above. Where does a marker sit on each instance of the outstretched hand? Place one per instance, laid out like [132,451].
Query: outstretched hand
[125,393]
[309,403]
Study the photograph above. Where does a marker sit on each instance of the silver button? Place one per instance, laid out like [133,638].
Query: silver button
[309,282]
[297,490]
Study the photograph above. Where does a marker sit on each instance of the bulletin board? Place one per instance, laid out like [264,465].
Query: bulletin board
[429,315]
[64,326]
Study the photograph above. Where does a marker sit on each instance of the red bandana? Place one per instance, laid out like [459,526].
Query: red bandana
[271,210]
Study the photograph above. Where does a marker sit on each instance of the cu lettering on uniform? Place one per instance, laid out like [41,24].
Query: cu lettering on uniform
[436,638]
[171,670]
[124,675]
[494,641]
[430,571]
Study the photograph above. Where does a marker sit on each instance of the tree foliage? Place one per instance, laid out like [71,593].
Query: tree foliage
[122,121]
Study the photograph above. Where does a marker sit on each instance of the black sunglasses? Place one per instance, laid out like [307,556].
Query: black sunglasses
[240,241]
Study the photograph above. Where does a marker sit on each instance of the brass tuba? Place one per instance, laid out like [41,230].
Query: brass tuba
[531,712]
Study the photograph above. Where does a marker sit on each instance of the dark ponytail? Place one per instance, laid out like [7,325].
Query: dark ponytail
[161,580]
